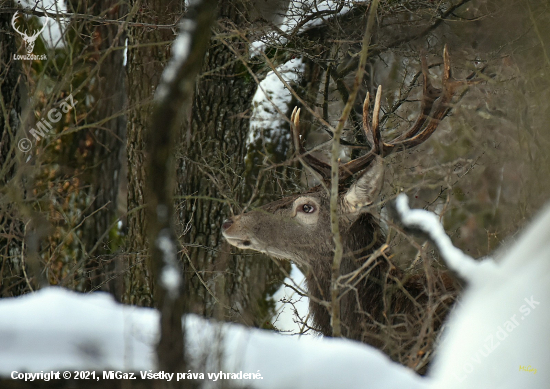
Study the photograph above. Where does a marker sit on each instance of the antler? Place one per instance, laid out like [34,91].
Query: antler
[319,166]
[419,131]
[43,27]
[426,123]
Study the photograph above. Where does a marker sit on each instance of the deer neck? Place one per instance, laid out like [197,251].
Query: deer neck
[360,240]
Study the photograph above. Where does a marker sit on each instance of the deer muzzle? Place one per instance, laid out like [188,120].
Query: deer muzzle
[235,235]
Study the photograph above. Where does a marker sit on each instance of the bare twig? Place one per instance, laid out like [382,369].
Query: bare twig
[88,18]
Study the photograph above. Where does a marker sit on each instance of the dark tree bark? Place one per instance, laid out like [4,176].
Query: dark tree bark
[12,280]
[108,172]
[217,127]
[212,174]
[145,65]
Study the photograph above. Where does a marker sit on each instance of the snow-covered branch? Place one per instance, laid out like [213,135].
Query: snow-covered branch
[428,222]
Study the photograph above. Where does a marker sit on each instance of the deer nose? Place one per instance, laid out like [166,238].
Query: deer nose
[227,223]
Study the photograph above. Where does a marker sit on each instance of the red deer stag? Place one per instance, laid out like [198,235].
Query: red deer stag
[379,304]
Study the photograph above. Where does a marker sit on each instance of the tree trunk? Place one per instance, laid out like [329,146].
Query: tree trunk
[213,177]
[145,65]
[108,172]
[12,278]
[211,151]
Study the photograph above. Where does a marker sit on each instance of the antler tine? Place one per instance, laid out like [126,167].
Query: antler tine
[307,159]
[376,121]
[373,136]
[294,126]
[443,106]
[13,23]
[429,95]
[366,126]
[420,131]
[373,132]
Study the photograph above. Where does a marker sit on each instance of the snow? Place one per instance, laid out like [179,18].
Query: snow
[297,11]
[180,51]
[170,276]
[498,335]
[125,53]
[271,102]
[287,301]
[464,265]
[171,280]
[56,329]
[272,98]
[502,322]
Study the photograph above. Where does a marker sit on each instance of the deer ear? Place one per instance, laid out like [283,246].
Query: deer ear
[366,188]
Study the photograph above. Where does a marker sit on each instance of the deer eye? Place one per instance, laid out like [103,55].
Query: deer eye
[308,208]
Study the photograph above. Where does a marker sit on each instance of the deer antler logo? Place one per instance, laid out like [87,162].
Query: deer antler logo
[29,39]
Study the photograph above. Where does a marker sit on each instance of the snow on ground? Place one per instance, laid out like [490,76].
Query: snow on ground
[56,329]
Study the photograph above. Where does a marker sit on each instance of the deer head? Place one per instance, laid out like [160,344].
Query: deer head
[29,39]
[298,227]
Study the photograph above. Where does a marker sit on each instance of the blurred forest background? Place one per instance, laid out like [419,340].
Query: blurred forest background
[72,208]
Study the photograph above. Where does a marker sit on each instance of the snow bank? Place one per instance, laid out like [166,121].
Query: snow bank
[498,336]
[56,329]
[500,333]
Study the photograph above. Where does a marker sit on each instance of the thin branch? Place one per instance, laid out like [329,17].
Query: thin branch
[88,18]
[335,170]
[377,50]
[173,96]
